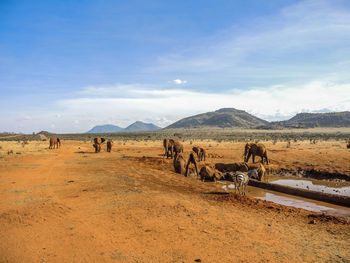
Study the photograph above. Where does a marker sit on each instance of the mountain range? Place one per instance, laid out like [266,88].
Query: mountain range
[136,126]
[312,120]
[233,118]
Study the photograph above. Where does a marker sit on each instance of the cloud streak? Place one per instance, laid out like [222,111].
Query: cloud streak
[165,106]
[304,41]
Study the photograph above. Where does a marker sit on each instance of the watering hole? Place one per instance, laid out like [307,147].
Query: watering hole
[340,188]
[337,188]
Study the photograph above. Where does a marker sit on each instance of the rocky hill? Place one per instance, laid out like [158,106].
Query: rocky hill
[141,126]
[311,120]
[223,118]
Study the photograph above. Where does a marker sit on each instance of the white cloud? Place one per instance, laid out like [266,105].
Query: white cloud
[165,106]
[179,81]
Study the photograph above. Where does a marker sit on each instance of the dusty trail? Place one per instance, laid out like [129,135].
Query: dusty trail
[71,205]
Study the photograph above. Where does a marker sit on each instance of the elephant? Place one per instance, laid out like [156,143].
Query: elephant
[232,167]
[55,142]
[99,140]
[175,147]
[348,145]
[254,149]
[97,147]
[167,147]
[109,145]
[180,163]
[97,144]
[209,173]
[191,159]
[243,167]
[196,149]
[259,169]
[202,154]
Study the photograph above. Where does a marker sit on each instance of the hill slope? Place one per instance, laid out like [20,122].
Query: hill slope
[141,126]
[105,129]
[223,118]
[310,120]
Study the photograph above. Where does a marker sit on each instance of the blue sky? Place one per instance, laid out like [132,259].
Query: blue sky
[66,66]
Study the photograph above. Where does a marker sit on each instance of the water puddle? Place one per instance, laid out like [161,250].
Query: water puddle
[290,200]
[315,185]
[307,205]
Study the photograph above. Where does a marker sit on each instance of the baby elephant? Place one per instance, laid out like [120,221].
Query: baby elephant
[109,146]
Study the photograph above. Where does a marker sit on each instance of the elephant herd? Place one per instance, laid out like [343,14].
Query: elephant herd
[56,143]
[99,141]
[174,149]
[239,173]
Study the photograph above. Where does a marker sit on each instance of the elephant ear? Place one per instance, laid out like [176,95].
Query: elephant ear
[102,140]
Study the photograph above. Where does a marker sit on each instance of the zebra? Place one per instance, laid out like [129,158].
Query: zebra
[240,180]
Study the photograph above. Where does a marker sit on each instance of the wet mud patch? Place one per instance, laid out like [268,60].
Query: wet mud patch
[309,173]
[247,201]
[319,186]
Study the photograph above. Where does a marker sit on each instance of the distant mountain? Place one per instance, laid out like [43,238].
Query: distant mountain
[136,126]
[141,126]
[46,133]
[223,118]
[105,129]
[311,120]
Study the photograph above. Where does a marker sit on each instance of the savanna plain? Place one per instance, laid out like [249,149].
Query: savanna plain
[73,205]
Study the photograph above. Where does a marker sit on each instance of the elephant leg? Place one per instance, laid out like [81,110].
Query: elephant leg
[195,166]
[249,154]
[267,160]
[188,164]
[253,158]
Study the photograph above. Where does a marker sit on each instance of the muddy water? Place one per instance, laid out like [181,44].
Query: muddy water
[337,188]
[290,200]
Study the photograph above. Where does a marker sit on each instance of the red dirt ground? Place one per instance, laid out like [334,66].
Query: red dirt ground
[72,205]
